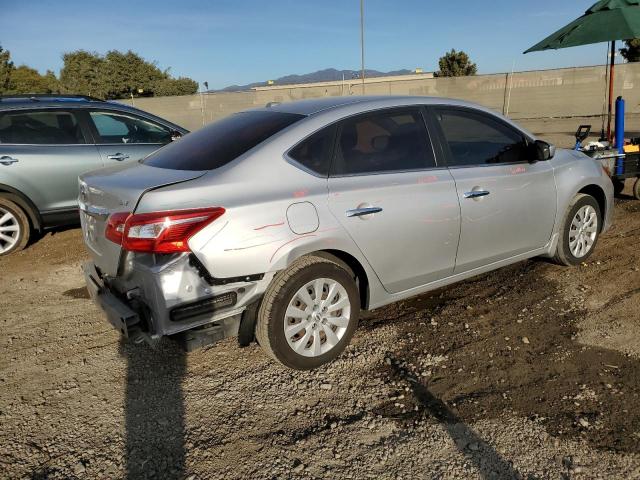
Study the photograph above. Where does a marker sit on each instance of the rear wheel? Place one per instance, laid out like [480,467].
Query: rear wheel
[580,231]
[14,227]
[309,313]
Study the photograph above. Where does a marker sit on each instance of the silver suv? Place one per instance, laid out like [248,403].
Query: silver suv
[46,141]
[285,221]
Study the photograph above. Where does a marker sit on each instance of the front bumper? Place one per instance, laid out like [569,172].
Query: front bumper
[157,298]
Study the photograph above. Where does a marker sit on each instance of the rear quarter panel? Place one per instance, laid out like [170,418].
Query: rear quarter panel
[262,229]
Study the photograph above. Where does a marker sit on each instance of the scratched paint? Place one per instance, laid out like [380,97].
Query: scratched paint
[287,243]
[270,225]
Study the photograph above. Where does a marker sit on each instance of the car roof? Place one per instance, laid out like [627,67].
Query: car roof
[20,102]
[317,105]
[8,102]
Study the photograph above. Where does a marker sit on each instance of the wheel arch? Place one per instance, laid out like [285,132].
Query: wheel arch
[354,267]
[23,202]
[596,192]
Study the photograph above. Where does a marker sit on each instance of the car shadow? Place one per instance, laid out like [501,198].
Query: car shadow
[154,410]
[489,463]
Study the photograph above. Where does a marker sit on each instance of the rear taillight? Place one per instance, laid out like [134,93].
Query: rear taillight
[115,226]
[159,232]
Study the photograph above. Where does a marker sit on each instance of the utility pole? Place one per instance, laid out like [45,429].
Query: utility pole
[362,42]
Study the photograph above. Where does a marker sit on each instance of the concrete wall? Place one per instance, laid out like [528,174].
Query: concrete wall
[568,92]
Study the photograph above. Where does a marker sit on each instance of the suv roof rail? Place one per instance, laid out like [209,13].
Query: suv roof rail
[36,97]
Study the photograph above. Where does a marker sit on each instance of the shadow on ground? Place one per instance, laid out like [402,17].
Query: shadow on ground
[510,343]
[154,411]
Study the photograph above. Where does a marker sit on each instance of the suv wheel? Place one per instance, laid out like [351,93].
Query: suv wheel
[14,227]
[580,231]
[309,313]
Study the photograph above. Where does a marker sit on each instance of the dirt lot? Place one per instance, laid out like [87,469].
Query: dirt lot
[532,371]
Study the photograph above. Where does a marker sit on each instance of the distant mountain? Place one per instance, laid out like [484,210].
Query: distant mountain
[326,75]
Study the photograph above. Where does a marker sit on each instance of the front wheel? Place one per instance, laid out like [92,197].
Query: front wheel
[580,231]
[309,313]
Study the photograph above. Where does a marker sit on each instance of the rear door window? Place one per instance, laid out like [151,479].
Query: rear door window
[383,141]
[221,142]
[114,128]
[40,127]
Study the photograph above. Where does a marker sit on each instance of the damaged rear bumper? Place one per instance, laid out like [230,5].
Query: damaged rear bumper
[118,313]
[154,299]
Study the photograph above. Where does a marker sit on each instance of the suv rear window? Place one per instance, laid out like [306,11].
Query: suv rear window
[221,142]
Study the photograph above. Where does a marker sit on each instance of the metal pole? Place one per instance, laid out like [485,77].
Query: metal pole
[202,104]
[362,41]
[513,68]
[611,72]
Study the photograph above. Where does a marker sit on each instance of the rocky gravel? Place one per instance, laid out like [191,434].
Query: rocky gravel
[531,372]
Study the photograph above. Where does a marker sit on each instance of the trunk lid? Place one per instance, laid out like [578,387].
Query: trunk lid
[118,189]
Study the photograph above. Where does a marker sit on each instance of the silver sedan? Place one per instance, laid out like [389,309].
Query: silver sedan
[280,224]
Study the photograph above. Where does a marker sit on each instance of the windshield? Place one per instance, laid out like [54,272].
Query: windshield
[221,142]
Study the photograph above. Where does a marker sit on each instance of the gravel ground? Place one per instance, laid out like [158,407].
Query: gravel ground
[532,371]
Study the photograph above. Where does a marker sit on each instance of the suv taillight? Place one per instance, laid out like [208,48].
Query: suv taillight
[159,232]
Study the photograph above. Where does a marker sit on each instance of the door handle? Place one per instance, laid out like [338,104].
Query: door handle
[359,212]
[476,193]
[118,156]
[7,160]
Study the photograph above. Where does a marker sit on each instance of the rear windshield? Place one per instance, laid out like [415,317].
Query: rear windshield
[221,142]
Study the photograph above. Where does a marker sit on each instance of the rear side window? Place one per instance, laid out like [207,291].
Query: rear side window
[44,127]
[385,141]
[315,152]
[221,142]
[477,139]
[120,128]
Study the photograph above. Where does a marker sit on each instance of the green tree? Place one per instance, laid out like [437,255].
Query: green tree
[118,75]
[175,86]
[126,73]
[456,64]
[631,52]
[82,74]
[6,66]
[28,80]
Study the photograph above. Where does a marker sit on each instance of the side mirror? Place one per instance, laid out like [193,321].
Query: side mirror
[175,135]
[543,151]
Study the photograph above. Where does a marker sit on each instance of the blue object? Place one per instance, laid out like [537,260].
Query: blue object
[619,133]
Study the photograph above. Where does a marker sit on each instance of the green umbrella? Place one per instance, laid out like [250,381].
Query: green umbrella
[605,21]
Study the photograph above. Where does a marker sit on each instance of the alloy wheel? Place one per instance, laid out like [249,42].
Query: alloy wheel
[9,230]
[583,231]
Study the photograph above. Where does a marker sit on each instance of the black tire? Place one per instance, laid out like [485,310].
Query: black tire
[618,186]
[563,255]
[247,329]
[271,316]
[636,189]
[22,223]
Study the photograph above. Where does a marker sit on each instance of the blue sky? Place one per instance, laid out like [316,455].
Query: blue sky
[239,41]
